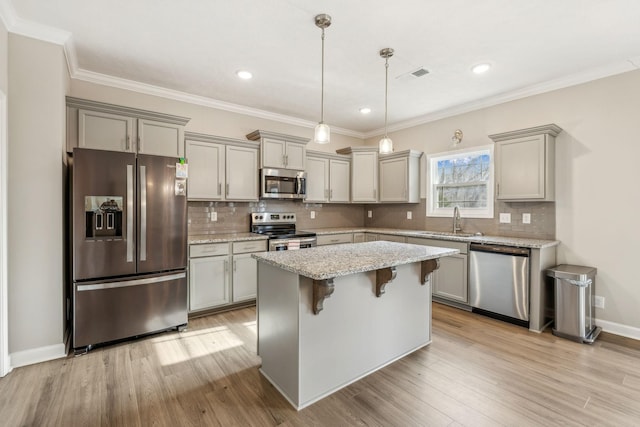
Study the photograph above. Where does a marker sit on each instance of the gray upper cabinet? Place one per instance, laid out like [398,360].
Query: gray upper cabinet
[525,164]
[101,126]
[327,177]
[280,151]
[221,168]
[400,177]
[364,173]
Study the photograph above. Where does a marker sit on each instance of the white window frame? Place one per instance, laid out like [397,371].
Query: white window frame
[432,168]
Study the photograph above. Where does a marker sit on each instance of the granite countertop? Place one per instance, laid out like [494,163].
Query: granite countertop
[225,237]
[497,240]
[325,262]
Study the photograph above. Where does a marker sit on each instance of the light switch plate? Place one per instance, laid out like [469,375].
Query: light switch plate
[213,216]
[526,218]
[369,214]
[313,215]
[409,215]
[505,218]
[598,301]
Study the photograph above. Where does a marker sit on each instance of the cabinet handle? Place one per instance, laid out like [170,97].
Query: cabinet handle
[226,265]
[234,265]
[375,193]
[128,142]
[138,145]
[227,193]
[331,193]
[498,189]
[219,188]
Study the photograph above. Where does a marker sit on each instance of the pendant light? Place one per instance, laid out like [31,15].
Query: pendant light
[322,134]
[385,145]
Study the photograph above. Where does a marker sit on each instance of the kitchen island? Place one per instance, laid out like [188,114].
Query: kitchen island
[328,316]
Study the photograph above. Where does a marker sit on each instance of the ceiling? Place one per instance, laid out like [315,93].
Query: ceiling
[192,49]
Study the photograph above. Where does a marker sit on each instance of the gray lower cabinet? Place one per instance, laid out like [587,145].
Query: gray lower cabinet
[222,273]
[450,281]
[392,238]
[334,239]
[359,237]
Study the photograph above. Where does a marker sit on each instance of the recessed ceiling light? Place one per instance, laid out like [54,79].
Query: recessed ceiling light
[244,75]
[365,110]
[481,68]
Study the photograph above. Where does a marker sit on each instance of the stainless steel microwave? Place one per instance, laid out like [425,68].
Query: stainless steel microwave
[283,184]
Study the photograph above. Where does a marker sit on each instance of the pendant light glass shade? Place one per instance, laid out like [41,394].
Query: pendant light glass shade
[385,145]
[322,134]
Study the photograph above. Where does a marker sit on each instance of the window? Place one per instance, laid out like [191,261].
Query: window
[461,178]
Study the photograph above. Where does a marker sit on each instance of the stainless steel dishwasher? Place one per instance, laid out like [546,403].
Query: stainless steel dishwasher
[499,282]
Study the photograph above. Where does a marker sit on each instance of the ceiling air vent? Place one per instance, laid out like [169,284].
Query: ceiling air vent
[413,74]
[419,72]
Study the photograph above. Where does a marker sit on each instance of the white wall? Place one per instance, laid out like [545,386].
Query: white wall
[597,171]
[38,81]
[4,52]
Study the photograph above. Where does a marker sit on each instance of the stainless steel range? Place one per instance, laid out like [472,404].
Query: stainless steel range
[281,229]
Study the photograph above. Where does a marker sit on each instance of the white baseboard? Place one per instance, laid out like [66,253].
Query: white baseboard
[37,355]
[619,329]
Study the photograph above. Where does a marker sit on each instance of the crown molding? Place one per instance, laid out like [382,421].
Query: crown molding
[608,70]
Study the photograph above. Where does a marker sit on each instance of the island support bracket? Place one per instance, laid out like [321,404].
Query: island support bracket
[321,289]
[384,276]
[428,267]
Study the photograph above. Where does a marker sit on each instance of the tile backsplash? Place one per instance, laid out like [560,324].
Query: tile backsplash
[542,226]
[233,217]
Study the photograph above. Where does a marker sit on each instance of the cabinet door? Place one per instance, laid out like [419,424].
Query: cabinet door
[450,280]
[358,237]
[393,180]
[370,237]
[295,156]
[317,180]
[521,168]
[206,170]
[364,177]
[245,277]
[339,188]
[160,139]
[392,238]
[241,174]
[273,152]
[208,282]
[105,131]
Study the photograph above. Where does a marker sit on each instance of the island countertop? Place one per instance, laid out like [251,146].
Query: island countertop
[325,262]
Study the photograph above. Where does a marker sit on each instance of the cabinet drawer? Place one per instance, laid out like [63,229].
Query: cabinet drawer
[334,239]
[209,249]
[249,246]
[463,247]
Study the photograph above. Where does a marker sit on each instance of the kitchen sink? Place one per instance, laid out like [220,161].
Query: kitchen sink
[450,233]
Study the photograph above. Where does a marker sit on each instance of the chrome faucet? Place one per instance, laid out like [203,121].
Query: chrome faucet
[456,219]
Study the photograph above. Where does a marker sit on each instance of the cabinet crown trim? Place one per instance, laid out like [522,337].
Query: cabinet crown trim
[406,153]
[350,150]
[127,111]
[193,136]
[550,129]
[325,155]
[256,135]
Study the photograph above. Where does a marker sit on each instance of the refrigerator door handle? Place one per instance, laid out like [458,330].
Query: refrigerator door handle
[129,213]
[143,213]
[127,283]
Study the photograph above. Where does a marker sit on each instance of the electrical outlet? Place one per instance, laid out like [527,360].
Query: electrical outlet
[409,215]
[313,215]
[213,216]
[598,301]
[369,214]
[505,218]
[526,218]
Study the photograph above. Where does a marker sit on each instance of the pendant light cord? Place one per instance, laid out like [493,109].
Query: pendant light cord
[322,84]
[386,90]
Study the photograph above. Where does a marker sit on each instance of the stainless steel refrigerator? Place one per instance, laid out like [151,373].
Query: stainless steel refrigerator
[129,245]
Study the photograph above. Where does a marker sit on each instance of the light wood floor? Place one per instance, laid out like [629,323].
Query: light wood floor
[477,372]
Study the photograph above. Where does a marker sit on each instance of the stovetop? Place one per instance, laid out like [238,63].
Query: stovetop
[280,225]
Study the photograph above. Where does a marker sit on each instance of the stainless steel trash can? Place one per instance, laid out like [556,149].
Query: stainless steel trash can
[575,311]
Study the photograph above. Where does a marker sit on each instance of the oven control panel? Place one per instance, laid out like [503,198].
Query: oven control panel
[272,217]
